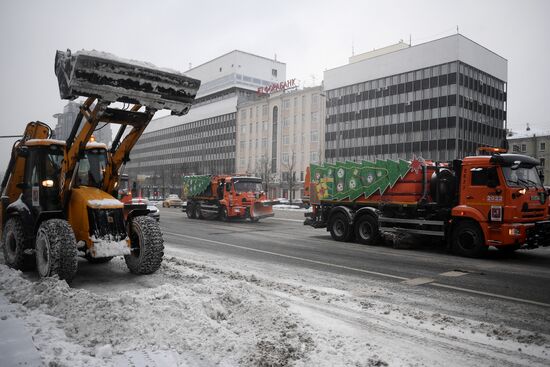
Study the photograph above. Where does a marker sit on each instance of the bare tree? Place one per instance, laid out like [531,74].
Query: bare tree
[263,168]
[289,173]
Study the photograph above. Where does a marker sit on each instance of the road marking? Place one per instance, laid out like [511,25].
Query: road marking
[289,256]
[491,294]
[288,220]
[466,290]
[453,273]
[418,281]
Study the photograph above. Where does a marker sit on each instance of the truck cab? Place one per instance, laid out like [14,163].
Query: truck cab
[503,193]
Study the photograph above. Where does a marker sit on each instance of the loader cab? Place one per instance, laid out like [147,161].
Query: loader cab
[40,187]
[91,167]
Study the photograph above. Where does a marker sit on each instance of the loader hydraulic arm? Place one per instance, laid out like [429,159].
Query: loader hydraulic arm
[120,150]
[76,144]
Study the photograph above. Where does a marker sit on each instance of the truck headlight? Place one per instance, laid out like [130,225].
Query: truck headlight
[514,232]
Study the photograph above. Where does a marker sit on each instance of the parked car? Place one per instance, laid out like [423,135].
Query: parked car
[283,201]
[300,203]
[172,200]
[154,212]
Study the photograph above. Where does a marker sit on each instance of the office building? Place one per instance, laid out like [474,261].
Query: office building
[440,100]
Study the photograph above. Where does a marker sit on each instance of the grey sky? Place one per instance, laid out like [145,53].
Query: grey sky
[310,36]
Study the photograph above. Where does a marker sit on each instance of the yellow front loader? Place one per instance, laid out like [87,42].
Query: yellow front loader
[58,197]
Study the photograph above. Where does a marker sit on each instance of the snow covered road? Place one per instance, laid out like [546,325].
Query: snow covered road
[206,306]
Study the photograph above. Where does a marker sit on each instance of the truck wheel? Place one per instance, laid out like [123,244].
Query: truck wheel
[339,228]
[366,230]
[198,212]
[14,244]
[223,214]
[190,210]
[56,252]
[467,240]
[147,246]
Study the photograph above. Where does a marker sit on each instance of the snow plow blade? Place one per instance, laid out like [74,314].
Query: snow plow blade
[110,78]
[262,209]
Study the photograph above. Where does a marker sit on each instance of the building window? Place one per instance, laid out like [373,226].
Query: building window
[524,147]
[515,148]
[273,73]
[313,157]
[285,157]
[542,147]
[285,139]
[286,104]
[314,136]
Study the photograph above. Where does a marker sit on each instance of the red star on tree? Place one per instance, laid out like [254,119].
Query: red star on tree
[417,163]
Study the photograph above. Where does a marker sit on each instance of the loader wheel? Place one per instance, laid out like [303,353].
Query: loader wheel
[339,228]
[14,246]
[190,211]
[467,240]
[223,214]
[56,252]
[146,244]
[366,230]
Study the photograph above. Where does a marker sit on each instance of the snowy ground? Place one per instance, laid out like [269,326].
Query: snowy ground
[200,310]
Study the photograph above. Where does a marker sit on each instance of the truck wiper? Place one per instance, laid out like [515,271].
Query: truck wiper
[518,182]
[528,181]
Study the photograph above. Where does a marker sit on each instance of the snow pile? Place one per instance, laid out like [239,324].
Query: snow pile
[194,319]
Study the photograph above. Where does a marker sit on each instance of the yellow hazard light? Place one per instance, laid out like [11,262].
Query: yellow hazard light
[92,139]
[492,150]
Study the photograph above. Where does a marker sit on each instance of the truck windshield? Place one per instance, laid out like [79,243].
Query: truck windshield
[521,177]
[91,168]
[248,186]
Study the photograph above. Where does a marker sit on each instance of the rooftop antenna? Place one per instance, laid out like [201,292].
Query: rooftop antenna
[275,57]
[352,48]
[190,66]
[457,29]
[410,40]
[528,127]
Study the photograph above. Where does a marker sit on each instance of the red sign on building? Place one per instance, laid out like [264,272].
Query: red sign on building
[277,87]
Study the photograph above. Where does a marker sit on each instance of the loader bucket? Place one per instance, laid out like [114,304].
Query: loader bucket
[109,78]
[262,209]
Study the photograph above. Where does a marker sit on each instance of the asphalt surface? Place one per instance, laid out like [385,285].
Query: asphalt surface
[521,278]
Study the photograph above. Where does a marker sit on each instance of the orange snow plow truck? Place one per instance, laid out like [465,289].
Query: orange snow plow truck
[226,197]
[494,200]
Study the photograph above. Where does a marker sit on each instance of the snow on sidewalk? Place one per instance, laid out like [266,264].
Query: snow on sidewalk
[16,343]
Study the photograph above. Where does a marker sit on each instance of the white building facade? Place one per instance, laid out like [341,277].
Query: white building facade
[203,141]
[281,133]
[440,100]
[535,144]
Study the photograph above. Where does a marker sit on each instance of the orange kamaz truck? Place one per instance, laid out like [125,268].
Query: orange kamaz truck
[495,199]
[226,197]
